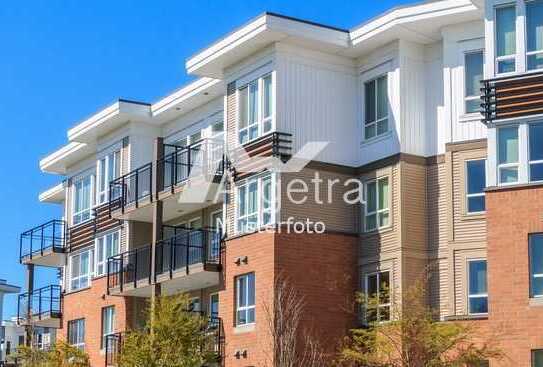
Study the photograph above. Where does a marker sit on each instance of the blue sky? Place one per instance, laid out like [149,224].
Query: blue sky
[63,60]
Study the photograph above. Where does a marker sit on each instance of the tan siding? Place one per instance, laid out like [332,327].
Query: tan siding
[439,286]
[413,215]
[436,207]
[461,258]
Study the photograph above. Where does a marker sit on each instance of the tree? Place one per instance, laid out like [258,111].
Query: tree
[59,355]
[173,337]
[414,338]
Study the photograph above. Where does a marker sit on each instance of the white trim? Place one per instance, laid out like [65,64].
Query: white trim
[381,305]
[104,262]
[259,204]
[466,184]
[248,307]
[377,211]
[478,295]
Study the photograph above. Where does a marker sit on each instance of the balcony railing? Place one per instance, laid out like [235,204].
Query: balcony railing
[129,268]
[40,305]
[186,248]
[205,157]
[113,344]
[48,237]
[512,97]
[131,188]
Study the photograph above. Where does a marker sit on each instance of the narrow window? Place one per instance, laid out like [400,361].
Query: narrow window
[536,265]
[378,297]
[267,104]
[108,323]
[80,268]
[255,104]
[195,305]
[109,168]
[508,155]
[376,107]
[534,34]
[245,299]
[537,358]
[76,333]
[473,64]
[82,200]
[476,183]
[214,305]
[254,203]
[477,291]
[506,34]
[106,246]
[536,152]
[377,212]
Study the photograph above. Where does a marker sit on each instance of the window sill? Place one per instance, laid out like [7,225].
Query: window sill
[242,329]
[376,139]
[378,231]
[514,186]
[474,216]
[470,117]
[77,290]
[536,302]
[466,317]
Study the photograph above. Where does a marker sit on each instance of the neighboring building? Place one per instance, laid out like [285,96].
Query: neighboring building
[5,288]
[449,192]
[14,335]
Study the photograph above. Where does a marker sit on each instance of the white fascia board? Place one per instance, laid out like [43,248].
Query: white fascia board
[55,194]
[58,161]
[108,119]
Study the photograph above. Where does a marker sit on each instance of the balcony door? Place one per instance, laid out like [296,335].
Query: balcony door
[215,241]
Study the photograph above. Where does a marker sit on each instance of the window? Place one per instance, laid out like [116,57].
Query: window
[80,270]
[109,168]
[477,292]
[245,299]
[195,305]
[254,203]
[376,107]
[108,323]
[536,152]
[76,333]
[508,155]
[255,103]
[82,199]
[536,265]
[473,70]
[378,296]
[534,34]
[377,212]
[214,305]
[506,34]
[476,183]
[106,246]
[537,358]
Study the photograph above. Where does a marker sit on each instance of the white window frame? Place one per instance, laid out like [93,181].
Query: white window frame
[464,94]
[260,119]
[531,162]
[108,331]
[533,275]
[115,158]
[513,57]
[516,165]
[478,295]
[376,121]
[75,214]
[367,295]
[260,211]
[529,53]
[89,275]
[248,307]
[81,344]
[377,211]
[103,262]
[468,195]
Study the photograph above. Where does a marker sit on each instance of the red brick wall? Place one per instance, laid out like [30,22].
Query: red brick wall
[88,304]
[511,215]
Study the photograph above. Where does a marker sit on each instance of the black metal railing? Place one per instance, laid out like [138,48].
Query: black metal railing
[48,236]
[131,188]
[42,303]
[214,328]
[188,247]
[113,344]
[129,268]
[205,157]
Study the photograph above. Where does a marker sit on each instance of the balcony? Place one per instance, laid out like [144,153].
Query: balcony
[131,190]
[189,259]
[41,307]
[44,245]
[512,97]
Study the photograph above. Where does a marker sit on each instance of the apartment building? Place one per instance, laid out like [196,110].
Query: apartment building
[435,108]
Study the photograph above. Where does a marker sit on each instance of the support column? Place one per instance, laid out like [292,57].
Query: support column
[158,208]
[30,289]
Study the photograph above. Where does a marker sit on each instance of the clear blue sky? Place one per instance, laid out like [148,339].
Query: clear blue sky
[60,61]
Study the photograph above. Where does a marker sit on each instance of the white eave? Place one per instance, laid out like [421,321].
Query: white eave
[109,119]
[55,194]
[58,161]
[259,33]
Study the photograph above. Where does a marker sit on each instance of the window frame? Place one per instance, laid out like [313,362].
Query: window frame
[377,211]
[103,262]
[530,262]
[261,210]
[103,164]
[516,164]
[210,304]
[513,56]
[466,189]
[530,161]
[105,333]
[533,352]
[376,121]
[467,98]
[380,305]
[478,295]
[88,276]
[245,308]
[80,344]
[529,53]
[80,213]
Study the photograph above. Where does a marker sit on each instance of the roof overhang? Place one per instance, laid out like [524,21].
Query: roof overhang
[109,119]
[8,288]
[260,32]
[59,161]
[55,195]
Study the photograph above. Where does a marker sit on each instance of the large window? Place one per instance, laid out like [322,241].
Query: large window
[254,203]
[82,199]
[536,265]
[255,104]
[378,297]
[245,299]
[477,291]
[108,323]
[76,333]
[508,155]
[377,211]
[534,34]
[473,65]
[106,246]
[376,107]
[476,183]
[537,358]
[109,168]
[536,152]
[506,46]
[80,270]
